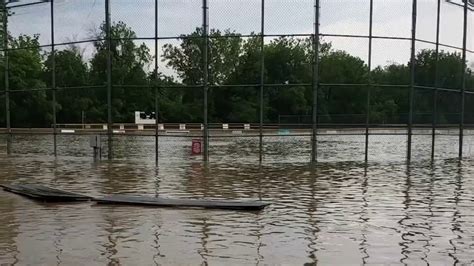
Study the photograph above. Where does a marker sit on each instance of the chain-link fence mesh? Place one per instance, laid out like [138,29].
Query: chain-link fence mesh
[389,80]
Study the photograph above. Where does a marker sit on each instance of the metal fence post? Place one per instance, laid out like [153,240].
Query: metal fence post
[435,94]
[205,35]
[7,76]
[156,83]
[262,78]
[463,77]
[314,131]
[53,77]
[109,79]
[369,79]
[412,79]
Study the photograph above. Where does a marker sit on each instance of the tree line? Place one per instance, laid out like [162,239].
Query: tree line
[233,60]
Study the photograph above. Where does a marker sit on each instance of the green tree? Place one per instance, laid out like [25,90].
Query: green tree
[33,108]
[287,61]
[234,79]
[71,74]
[131,91]
[224,51]
[390,104]
[342,103]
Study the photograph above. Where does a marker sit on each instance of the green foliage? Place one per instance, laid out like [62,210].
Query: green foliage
[71,71]
[28,109]
[233,60]
[129,78]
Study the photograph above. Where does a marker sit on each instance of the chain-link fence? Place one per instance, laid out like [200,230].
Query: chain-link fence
[280,80]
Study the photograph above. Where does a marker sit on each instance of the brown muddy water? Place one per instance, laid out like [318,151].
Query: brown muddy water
[339,212]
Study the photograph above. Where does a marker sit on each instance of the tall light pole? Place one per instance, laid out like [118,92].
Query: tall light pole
[6,71]
[4,44]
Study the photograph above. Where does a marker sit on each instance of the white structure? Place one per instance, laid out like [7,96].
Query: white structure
[142,118]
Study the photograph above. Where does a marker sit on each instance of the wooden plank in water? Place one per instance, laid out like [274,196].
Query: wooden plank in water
[43,193]
[167,202]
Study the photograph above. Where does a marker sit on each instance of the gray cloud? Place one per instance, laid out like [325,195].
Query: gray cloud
[76,18]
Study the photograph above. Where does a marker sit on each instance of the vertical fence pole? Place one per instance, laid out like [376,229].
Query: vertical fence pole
[156,83]
[314,131]
[262,78]
[435,94]
[369,79]
[53,77]
[412,79]
[109,79]
[205,35]
[7,76]
[463,77]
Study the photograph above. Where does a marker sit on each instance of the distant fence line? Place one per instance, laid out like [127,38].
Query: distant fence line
[313,122]
[241,130]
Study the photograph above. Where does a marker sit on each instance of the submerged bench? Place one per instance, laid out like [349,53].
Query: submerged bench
[178,203]
[47,194]
[43,193]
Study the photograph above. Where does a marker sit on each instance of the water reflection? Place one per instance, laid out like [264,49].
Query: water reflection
[364,219]
[312,219]
[455,223]
[341,212]
[8,229]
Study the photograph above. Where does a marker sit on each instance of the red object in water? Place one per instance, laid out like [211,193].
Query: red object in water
[196,148]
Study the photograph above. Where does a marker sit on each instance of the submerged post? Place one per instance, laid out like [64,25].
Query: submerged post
[412,79]
[314,131]
[95,144]
[156,83]
[369,81]
[7,76]
[109,80]
[53,77]
[463,84]
[262,79]
[435,93]
[205,35]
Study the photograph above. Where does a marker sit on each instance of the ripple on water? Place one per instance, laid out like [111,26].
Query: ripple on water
[340,212]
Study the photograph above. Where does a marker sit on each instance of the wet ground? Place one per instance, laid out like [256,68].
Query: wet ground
[340,212]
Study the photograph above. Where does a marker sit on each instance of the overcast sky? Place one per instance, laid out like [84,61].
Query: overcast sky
[74,20]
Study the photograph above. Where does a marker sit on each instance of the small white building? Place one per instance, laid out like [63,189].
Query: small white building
[142,118]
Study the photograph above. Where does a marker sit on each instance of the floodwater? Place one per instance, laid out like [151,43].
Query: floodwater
[339,212]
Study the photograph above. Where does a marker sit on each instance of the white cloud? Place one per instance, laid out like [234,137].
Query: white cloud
[75,18]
